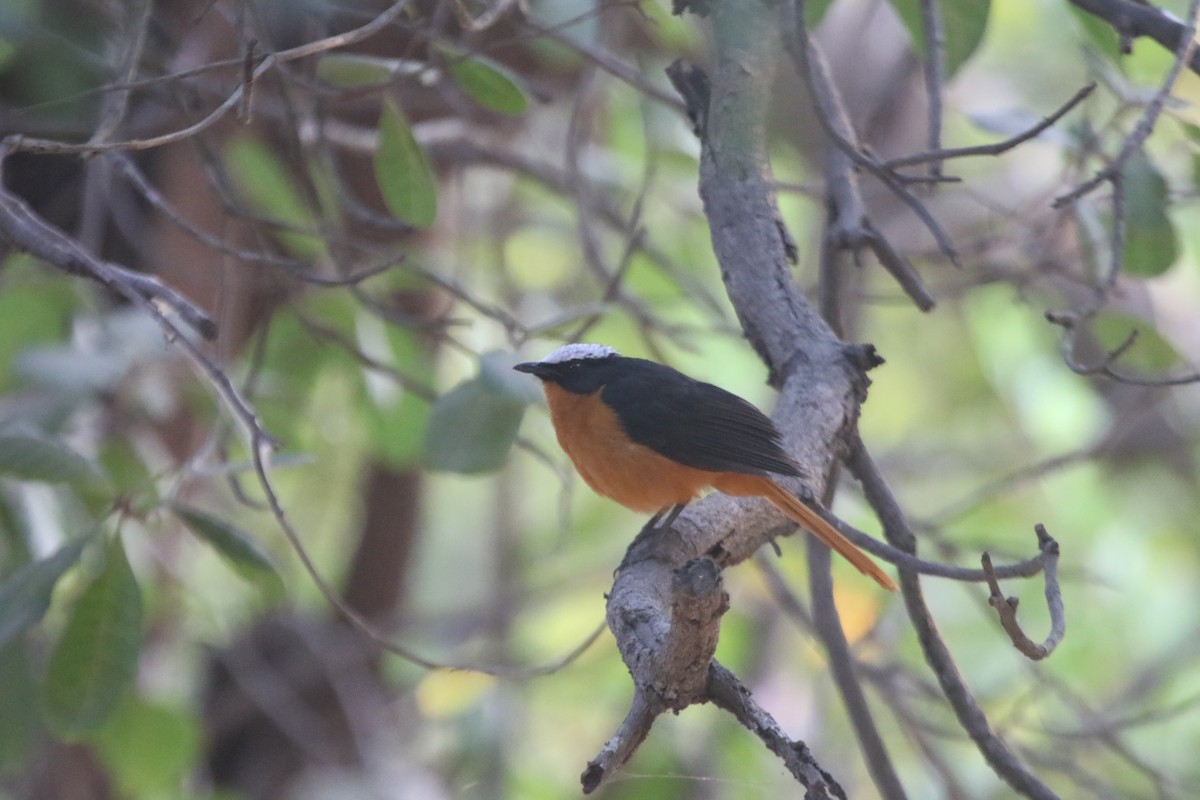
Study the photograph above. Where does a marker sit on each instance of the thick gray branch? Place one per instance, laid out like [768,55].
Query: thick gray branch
[821,381]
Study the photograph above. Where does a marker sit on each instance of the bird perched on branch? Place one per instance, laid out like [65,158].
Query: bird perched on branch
[654,439]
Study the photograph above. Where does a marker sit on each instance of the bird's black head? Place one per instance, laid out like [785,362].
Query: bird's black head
[578,368]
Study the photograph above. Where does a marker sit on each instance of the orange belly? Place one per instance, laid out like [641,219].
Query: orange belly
[632,474]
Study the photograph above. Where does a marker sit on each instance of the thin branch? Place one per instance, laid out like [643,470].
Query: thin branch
[609,63]
[485,20]
[27,231]
[934,68]
[260,447]
[341,341]
[995,148]
[1012,480]
[1006,607]
[804,50]
[1185,49]
[1070,323]
[36,145]
[907,560]
[620,748]
[849,226]
[828,626]
[970,715]
[727,692]
[136,23]
[293,267]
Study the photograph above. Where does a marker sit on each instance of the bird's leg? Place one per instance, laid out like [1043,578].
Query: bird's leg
[666,516]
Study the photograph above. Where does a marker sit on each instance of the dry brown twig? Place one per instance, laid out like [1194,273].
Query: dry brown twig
[1006,607]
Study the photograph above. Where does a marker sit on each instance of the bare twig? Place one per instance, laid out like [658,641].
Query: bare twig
[934,68]
[246,106]
[1071,324]
[727,692]
[849,227]
[617,750]
[1113,173]
[995,148]
[970,715]
[609,63]
[380,22]
[811,66]
[1009,481]
[1185,49]
[907,560]
[27,231]
[484,20]
[828,626]
[1006,607]
[293,267]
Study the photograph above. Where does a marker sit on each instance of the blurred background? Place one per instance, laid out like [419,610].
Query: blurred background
[384,223]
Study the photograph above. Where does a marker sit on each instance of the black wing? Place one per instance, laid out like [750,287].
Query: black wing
[692,422]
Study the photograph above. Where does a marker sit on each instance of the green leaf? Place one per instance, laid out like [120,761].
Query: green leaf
[472,427]
[1151,352]
[963,24]
[25,595]
[402,171]
[95,661]
[30,456]
[263,179]
[234,544]
[352,70]
[488,84]
[148,747]
[1151,242]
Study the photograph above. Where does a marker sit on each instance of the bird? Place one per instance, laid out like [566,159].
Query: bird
[653,439]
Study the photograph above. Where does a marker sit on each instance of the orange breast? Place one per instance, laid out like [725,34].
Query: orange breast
[632,474]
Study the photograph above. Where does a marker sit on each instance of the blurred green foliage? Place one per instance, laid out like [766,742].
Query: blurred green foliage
[109,607]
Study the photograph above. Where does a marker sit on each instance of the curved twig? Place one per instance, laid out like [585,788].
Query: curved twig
[1006,607]
[970,715]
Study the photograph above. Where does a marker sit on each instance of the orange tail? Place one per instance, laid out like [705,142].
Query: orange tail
[786,502]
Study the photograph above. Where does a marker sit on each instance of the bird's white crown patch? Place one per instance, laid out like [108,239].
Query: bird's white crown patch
[572,352]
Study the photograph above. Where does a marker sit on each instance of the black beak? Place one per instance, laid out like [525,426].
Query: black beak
[533,368]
